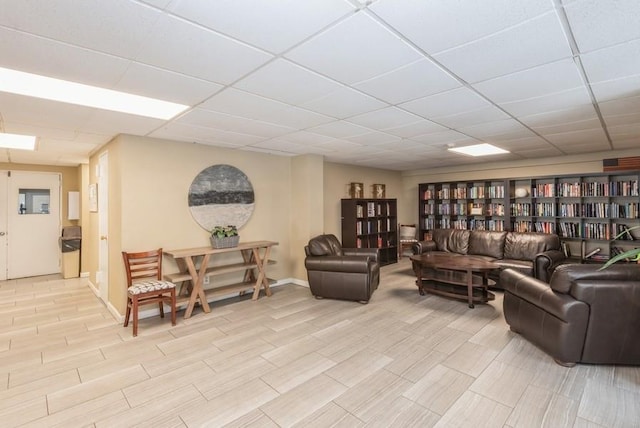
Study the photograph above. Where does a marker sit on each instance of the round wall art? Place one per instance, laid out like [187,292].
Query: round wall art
[221,195]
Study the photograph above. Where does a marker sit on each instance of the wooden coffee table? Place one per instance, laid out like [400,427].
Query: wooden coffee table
[454,275]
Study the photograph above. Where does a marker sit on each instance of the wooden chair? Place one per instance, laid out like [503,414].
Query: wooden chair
[145,285]
[408,237]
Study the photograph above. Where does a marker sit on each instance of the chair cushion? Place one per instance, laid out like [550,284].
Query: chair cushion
[325,245]
[150,285]
[408,234]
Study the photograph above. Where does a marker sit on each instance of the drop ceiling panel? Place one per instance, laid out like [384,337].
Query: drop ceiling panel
[546,79]
[596,24]
[199,52]
[532,43]
[212,119]
[469,118]
[244,104]
[443,24]
[261,23]
[343,103]
[117,27]
[568,126]
[34,54]
[507,129]
[284,81]
[340,129]
[354,50]
[619,88]
[577,98]
[373,138]
[412,81]
[184,132]
[626,57]
[446,103]
[414,129]
[103,121]
[620,106]
[42,113]
[524,144]
[596,137]
[389,117]
[560,117]
[441,139]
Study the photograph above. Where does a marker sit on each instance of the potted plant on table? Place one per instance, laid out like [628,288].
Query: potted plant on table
[224,236]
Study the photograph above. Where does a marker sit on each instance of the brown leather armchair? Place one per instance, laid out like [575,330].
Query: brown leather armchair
[341,273]
[584,315]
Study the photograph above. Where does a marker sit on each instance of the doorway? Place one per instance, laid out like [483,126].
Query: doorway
[102,278]
[30,222]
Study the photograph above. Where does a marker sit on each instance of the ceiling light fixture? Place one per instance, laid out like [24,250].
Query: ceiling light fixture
[33,85]
[479,150]
[15,141]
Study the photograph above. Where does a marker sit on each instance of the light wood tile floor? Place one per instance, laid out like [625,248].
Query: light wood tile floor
[403,360]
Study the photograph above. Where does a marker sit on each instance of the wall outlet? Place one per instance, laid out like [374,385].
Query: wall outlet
[205,280]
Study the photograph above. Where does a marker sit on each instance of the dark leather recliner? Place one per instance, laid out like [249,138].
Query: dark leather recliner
[341,273]
[584,315]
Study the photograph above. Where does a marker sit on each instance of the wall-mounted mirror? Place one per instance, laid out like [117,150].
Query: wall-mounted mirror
[33,201]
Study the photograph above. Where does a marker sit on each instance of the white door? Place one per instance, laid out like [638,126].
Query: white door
[4,224]
[33,206]
[103,227]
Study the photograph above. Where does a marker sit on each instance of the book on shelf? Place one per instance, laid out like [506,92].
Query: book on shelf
[566,249]
[592,253]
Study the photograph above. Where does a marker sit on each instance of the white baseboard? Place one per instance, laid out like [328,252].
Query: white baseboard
[84,274]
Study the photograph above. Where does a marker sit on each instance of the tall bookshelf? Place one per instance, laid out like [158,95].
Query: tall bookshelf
[371,223]
[586,211]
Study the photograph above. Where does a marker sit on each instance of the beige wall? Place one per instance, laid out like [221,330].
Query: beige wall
[149,180]
[336,186]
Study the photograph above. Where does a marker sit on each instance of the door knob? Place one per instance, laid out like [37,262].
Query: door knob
[103,238]
[2,234]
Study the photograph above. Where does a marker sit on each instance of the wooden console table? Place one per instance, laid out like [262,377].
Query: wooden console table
[194,267]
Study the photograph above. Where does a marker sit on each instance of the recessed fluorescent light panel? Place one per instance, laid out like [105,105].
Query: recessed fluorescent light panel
[33,85]
[14,141]
[479,150]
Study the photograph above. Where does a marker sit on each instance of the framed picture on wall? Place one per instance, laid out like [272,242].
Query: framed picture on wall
[93,197]
[378,191]
[356,190]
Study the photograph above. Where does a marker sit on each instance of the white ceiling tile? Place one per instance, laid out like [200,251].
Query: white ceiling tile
[43,113]
[117,27]
[446,103]
[629,143]
[282,145]
[623,119]
[344,102]
[103,121]
[416,128]
[568,126]
[620,106]
[596,24]
[545,79]
[199,52]
[185,132]
[34,54]
[499,130]
[549,151]
[287,82]
[560,117]
[619,88]
[528,143]
[572,99]
[236,102]
[443,24]
[469,118]
[261,23]
[373,138]
[305,137]
[389,117]
[154,82]
[354,50]
[626,58]
[412,81]
[340,129]
[339,145]
[532,43]
[441,139]
[212,119]
[587,136]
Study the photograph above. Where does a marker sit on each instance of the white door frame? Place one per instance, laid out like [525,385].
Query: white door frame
[4,224]
[102,277]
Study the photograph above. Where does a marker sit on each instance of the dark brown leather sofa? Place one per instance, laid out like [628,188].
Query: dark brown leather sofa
[534,254]
[341,273]
[584,315]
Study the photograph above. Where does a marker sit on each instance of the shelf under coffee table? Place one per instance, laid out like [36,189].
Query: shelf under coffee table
[454,275]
